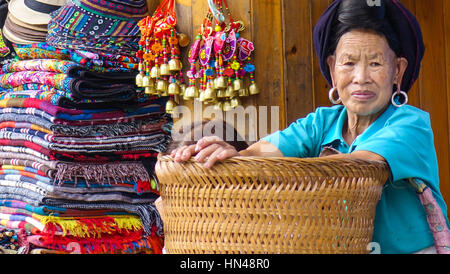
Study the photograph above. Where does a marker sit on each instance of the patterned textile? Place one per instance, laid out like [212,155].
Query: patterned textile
[30,105]
[127,243]
[27,165]
[137,184]
[56,207]
[50,65]
[16,221]
[40,51]
[130,143]
[102,62]
[41,192]
[59,81]
[45,210]
[435,218]
[147,212]
[61,173]
[99,62]
[73,88]
[53,97]
[97,26]
[111,127]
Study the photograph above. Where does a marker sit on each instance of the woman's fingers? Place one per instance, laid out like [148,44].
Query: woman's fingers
[207,152]
[184,153]
[174,152]
[207,141]
[220,154]
[209,149]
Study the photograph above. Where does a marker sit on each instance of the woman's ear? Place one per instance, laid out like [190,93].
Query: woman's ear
[331,61]
[401,65]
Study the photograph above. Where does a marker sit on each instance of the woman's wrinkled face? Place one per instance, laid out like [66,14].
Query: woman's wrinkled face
[364,70]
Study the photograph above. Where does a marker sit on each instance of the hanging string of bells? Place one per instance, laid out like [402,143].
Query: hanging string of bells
[160,66]
[220,60]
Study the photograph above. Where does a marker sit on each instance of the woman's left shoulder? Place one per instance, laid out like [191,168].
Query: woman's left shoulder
[408,114]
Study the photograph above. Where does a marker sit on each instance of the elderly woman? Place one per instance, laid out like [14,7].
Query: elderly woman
[370,55]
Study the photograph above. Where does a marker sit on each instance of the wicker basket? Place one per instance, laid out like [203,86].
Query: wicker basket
[270,205]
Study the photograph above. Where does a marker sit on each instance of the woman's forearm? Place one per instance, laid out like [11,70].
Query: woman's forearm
[262,149]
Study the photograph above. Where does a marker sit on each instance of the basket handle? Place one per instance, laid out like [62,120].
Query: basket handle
[435,217]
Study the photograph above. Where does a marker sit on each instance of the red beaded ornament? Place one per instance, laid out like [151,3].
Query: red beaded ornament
[160,67]
[219,61]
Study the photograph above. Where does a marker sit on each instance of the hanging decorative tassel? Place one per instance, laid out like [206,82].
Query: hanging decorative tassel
[160,66]
[220,61]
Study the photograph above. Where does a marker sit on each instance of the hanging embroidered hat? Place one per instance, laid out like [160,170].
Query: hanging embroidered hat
[98,25]
[35,12]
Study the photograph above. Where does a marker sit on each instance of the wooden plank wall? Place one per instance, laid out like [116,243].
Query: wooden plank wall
[287,70]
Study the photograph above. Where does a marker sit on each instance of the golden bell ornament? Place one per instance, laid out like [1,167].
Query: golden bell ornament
[221,93]
[189,93]
[226,106]
[155,72]
[238,84]
[147,81]
[150,90]
[253,89]
[235,102]
[139,79]
[164,70]
[209,95]
[183,40]
[170,106]
[243,92]
[229,92]
[162,86]
[220,82]
[175,65]
[173,89]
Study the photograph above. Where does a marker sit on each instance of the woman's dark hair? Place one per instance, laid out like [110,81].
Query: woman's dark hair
[197,129]
[358,14]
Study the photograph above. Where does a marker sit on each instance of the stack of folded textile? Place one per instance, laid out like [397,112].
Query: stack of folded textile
[78,141]
[67,84]
[62,159]
[83,169]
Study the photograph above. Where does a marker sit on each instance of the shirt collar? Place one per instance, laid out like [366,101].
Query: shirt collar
[335,132]
[334,136]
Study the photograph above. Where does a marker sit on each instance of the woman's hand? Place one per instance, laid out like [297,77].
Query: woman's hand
[208,150]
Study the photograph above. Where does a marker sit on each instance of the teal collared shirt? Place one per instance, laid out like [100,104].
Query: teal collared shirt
[403,136]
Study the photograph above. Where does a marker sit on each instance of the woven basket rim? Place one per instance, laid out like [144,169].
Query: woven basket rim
[256,166]
[312,160]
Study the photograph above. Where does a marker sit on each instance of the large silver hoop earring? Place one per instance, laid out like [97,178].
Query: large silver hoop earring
[401,94]
[331,96]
